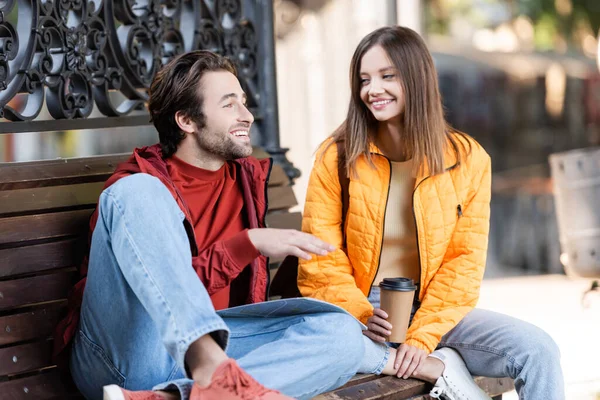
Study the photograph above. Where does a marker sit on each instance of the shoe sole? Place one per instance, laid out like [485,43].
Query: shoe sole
[113,392]
[454,360]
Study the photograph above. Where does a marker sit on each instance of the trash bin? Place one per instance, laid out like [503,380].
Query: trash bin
[576,185]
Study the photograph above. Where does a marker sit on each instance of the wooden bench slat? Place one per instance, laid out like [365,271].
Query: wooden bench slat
[34,174]
[44,226]
[278,176]
[259,153]
[386,387]
[87,194]
[37,289]
[495,386]
[30,325]
[26,357]
[284,220]
[58,172]
[281,197]
[40,257]
[361,378]
[22,200]
[82,171]
[40,387]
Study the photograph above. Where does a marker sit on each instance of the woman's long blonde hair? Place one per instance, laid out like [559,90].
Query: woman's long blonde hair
[426,131]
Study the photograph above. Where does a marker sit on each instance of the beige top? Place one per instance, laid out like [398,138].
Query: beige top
[399,253]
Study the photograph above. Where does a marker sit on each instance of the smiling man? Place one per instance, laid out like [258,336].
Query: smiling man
[178,233]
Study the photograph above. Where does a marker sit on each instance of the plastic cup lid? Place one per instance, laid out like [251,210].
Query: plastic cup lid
[398,284]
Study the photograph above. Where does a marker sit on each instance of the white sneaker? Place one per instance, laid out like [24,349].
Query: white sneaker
[456,382]
[113,392]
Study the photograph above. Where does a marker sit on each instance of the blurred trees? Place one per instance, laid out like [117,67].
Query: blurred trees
[559,25]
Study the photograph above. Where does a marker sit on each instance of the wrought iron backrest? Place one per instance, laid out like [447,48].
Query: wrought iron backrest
[69,57]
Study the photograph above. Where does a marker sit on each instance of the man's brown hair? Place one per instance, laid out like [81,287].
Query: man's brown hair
[176,88]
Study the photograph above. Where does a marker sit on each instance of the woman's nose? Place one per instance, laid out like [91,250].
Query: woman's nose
[375,87]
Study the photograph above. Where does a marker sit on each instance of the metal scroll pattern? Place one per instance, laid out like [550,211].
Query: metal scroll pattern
[74,54]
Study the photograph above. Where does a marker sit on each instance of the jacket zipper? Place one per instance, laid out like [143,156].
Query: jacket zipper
[384,215]
[459,208]
[264,224]
[416,227]
[418,294]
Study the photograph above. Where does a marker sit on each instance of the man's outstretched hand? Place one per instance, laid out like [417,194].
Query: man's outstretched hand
[279,243]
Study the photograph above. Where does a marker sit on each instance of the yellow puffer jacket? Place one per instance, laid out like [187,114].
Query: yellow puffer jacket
[452,218]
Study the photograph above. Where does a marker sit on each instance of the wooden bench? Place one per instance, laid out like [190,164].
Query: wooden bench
[44,212]
[373,387]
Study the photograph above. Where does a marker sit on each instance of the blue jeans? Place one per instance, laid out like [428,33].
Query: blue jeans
[144,305]
[496,345]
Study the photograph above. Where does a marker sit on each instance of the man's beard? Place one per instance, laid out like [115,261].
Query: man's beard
[222,144]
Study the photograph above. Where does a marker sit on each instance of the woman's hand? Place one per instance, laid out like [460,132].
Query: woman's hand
[409,360]
[377,326]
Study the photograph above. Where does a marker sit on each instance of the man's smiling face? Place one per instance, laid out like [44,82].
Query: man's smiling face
[226,131]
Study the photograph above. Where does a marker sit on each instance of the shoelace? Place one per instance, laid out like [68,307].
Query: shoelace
[451,389]
[240,383]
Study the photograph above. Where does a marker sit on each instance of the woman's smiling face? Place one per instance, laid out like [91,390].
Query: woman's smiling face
[381,90]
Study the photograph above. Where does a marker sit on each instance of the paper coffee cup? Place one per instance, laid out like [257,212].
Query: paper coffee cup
[397,296]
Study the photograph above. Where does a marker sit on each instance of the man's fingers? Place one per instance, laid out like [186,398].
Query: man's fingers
[306,241]
[313,249]
[295,251]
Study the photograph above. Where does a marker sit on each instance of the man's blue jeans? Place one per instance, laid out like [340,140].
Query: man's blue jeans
[144,305]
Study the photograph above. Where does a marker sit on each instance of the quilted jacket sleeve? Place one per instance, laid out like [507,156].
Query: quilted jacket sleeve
[329,278]
[454,290]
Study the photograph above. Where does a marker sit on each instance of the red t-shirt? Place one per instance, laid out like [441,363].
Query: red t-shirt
[216,206]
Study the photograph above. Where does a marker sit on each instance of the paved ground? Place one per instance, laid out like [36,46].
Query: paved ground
[553,302]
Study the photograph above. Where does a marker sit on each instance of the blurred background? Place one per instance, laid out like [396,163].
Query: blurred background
[521,76]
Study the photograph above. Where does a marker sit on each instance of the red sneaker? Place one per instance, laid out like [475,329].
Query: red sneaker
[230,382]
[114,392]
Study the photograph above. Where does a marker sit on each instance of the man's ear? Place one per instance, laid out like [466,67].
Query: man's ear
[184,122]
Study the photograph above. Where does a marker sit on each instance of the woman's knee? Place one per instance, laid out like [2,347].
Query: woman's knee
[536,347]
[545,346]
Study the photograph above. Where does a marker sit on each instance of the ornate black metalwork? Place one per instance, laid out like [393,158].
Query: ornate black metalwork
[74,54]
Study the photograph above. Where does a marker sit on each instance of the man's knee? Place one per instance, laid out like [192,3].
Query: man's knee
[136,187]
[138,192]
